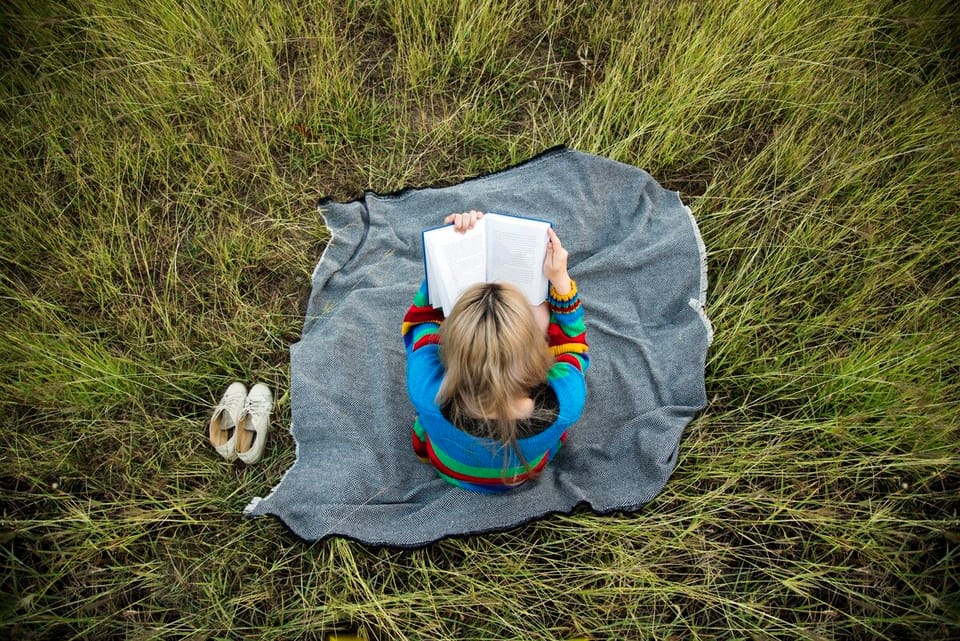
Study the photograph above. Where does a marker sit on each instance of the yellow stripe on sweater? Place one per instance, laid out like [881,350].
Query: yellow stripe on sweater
[565,297]
[569,348]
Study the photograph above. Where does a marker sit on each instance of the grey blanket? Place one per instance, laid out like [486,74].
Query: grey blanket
[640,266]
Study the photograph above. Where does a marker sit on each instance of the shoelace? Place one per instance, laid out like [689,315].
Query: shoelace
[257,405]
[230,399]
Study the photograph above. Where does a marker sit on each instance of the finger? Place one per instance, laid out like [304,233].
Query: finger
[554,239]
[449,219]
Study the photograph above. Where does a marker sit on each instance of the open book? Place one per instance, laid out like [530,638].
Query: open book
[500,248]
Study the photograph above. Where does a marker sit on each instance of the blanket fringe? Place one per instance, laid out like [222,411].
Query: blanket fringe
[250,510]
[698,305]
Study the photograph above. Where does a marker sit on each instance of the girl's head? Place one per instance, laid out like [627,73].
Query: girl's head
[494,354]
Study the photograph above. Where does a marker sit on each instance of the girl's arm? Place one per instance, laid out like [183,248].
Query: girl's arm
[421,327]
[566,334]
[421,323]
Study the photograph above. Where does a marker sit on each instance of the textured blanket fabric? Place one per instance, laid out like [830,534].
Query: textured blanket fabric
[637,256]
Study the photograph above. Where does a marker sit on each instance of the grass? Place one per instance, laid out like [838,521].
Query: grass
[158,193]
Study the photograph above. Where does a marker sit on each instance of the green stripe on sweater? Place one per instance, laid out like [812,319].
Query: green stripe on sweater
[481,472]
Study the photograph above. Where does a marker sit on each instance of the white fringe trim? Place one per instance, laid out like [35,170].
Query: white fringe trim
[248,511]
[698,305]
[255,501]
[329,244]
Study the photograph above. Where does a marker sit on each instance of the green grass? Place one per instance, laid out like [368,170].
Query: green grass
[157,191]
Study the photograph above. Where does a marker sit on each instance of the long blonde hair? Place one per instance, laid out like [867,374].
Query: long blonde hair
[494,352]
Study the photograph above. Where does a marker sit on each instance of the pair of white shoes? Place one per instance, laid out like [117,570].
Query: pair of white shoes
[239,425]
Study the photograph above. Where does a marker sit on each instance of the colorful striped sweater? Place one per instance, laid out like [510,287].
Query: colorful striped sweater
[484,464]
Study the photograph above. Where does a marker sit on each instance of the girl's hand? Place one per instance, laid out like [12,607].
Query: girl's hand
[555,264]
[464,222]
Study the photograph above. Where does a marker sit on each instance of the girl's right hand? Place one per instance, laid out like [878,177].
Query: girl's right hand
[555,264]
[464,222]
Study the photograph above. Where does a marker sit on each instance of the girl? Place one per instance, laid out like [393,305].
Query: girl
[494,393]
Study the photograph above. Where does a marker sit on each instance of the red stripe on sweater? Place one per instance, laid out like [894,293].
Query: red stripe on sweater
[571,359]
[564,308]
[428,339]
[423,315]
[557,337]
[419,447]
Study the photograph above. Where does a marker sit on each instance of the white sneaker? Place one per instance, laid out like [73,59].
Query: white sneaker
[223,423]
[254,423]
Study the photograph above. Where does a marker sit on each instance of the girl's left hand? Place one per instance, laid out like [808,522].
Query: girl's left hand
[464,222]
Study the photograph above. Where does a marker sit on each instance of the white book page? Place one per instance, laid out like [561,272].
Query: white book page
[516,249]
[454,262]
